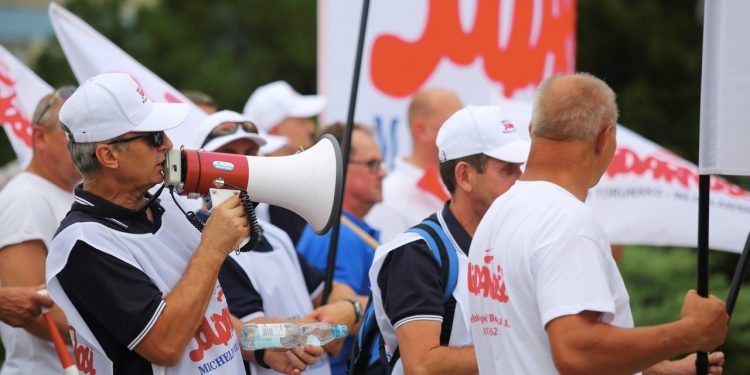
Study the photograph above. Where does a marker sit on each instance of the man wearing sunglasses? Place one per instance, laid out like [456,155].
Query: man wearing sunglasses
[357,240]
[136,281]
[272,283]
[34,203]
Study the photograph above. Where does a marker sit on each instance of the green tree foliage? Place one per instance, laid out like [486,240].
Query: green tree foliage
[657,280]
[223,48]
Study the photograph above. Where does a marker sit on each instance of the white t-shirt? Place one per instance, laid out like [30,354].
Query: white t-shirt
[404,203]
[32,210]
[538,254]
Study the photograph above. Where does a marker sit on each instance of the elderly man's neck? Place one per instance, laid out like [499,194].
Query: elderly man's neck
[116,192]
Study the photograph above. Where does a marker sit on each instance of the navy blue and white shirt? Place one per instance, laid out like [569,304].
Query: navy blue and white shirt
[110,268]
[408,260]
[272,281]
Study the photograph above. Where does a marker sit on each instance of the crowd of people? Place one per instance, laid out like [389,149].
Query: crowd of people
[476,254]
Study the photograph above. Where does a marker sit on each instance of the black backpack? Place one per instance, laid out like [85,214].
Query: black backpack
[368,356]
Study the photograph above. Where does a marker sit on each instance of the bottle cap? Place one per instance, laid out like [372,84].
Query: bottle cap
[339,331]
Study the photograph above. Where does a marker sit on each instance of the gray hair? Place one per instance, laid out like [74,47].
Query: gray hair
[84,153]
[576,106]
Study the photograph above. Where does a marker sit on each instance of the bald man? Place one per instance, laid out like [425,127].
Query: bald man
[413,189]
[556,302]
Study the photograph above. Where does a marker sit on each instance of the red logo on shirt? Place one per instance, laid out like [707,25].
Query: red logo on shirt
[207,337]
[489,284]
[83,354]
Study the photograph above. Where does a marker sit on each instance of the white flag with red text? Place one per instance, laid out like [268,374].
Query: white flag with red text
[725,89]
[20,92]
[487,51]
[89,53]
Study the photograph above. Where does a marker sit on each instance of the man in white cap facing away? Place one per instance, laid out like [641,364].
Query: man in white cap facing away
[280,111]
[284,115]
[252,280]
[480,151]
[137,283]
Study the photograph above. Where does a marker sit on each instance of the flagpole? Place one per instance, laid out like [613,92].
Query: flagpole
[333,245]
[704,182]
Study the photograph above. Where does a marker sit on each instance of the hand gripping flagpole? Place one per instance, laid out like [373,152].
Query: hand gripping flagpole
[333,245]
[69,367]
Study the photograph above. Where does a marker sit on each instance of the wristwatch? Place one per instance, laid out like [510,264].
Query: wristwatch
[357,309]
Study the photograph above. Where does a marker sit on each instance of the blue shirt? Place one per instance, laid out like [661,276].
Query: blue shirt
[353,260]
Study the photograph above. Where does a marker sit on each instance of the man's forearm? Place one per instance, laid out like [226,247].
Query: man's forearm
[446,360]
[184,309]
[38,327]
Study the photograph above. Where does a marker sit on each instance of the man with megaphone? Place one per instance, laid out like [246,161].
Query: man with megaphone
[273,283]
[137,283]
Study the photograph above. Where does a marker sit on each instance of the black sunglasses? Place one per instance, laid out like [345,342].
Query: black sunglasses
[156,139]
[63,93]
[227,128]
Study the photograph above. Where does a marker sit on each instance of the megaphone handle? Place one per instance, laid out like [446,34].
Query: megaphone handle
[69,367]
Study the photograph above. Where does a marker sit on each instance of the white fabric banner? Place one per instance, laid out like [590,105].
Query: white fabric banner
[487,51]
[650,196]
[89,53]
[725,88]
[20,92]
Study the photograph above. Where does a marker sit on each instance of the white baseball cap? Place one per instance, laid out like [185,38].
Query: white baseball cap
[112,104]
[273,102]
[481,130]
[215,119]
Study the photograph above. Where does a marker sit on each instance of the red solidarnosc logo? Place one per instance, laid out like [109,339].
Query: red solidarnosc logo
[10,113]
[485,283]
[508,127]
[399,67]
[84,355]
[218,333]
[627,162]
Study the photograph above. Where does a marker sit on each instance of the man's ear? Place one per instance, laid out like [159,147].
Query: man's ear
[604,137]
[418,130]
[108,156]
[38,136]
[464,177]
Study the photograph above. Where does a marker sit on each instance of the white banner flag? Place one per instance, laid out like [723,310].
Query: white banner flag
[487,51]
[20,92]
[89,53]
[725,89]
[649,196]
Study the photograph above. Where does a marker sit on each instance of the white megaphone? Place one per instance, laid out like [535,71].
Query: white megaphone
[308,183]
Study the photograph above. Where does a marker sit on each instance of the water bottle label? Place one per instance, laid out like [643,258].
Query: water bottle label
[266,331]
[267,342]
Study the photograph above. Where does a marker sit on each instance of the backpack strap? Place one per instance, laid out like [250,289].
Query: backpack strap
[444,252]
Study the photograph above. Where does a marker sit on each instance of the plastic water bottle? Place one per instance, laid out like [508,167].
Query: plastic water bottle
[289,335]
